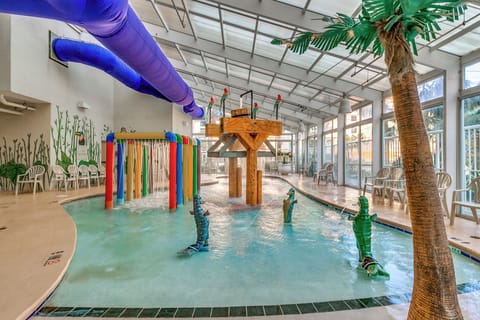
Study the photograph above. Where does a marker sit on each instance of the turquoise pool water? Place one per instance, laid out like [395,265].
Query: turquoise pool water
[128,256]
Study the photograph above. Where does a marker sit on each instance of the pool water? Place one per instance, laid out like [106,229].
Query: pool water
[128,256]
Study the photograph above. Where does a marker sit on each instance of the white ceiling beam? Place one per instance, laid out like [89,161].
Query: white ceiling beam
[159,14]
[260,62]
[265,112]
[244,85]
[278,11]
[312,21]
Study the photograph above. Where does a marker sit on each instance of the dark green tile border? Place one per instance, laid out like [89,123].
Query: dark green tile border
[237,311]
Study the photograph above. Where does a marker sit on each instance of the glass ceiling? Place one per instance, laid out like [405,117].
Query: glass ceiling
[226,43]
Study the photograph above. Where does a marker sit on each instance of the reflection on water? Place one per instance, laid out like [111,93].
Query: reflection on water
[127,256]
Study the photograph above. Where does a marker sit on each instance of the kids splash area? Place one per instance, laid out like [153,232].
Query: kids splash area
[248,159]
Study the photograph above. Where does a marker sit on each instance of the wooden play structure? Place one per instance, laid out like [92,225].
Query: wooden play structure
[241,136]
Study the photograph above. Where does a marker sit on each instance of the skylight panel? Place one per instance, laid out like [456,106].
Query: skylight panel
[331,8]
[463,45]
[283,85]
[207,29]
[295,3]
[304,61]
[204,9]
[238,72]
[264,48]
[260,78]
[238,38]
[238,19]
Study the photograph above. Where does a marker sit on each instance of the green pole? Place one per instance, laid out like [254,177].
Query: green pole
[145,171]
[195,167]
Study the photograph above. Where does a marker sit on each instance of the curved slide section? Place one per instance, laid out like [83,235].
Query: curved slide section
[118,28]
[98,57]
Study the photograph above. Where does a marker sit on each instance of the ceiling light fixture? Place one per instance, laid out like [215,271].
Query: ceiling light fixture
[345,105]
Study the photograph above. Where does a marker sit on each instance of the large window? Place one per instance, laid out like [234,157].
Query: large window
[471,76]
[358,146]
[471,136]
[429,93]
[330,149]
[312,147]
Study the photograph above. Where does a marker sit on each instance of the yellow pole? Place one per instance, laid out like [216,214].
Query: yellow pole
[130,165]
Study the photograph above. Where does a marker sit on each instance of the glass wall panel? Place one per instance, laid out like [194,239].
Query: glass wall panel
[358,146]
[471,76]
[471,146]
[431,89]
[329,145]
[352,157]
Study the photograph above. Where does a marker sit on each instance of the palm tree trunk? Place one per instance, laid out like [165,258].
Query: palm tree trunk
[434,291]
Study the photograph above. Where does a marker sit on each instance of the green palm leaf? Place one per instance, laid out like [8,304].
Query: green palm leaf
[380,9]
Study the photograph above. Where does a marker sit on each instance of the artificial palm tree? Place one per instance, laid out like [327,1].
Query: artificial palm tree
[390,27]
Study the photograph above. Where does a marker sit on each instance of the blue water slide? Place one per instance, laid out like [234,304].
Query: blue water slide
[118,28]
[96,56]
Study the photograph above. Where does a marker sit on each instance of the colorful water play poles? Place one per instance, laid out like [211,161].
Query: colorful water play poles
[154,161]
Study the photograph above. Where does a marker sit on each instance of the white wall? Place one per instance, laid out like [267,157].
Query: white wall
[4,52]
[140,112]
[34,122]
[181,122]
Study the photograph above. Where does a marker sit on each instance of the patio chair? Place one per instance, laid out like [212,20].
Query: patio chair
[102,172]
[84,175]
[473,204]
[73,175]
[94,174]
[320,171]
[377,183]
[59,177]
[444,180]
[327,174]
[33,175]
[395,186]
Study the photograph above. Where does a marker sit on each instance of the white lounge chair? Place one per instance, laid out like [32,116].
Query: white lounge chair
[59,176]
[33,175]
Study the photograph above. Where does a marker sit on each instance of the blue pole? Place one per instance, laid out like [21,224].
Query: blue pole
[120,173]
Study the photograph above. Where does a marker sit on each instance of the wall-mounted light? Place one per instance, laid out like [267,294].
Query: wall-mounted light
[345,105]
[83,105]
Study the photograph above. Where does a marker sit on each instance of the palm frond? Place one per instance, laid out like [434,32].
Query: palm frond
[298,45]
[379,9]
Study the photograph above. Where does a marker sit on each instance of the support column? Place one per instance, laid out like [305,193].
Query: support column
[259,187]
[251,195]
[232,177]
[239,182]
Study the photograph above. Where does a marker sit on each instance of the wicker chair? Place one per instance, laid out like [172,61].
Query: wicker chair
[33,175]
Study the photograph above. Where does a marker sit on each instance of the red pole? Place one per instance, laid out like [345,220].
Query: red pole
[172,195]
[109,172]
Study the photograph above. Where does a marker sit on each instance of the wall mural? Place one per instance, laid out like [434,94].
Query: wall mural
[74,140]
[18,155]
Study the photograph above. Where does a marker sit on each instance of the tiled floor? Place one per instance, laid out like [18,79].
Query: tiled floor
[38,242]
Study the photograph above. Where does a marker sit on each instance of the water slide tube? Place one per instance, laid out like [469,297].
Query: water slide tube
[98,57]
[118,28]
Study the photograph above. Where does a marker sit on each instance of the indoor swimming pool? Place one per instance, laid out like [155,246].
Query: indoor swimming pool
[127,257]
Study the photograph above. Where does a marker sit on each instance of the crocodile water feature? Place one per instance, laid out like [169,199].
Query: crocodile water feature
[288,206]
[362,227]
[202,224]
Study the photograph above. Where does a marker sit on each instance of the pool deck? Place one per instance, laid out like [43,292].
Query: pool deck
[37,243]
